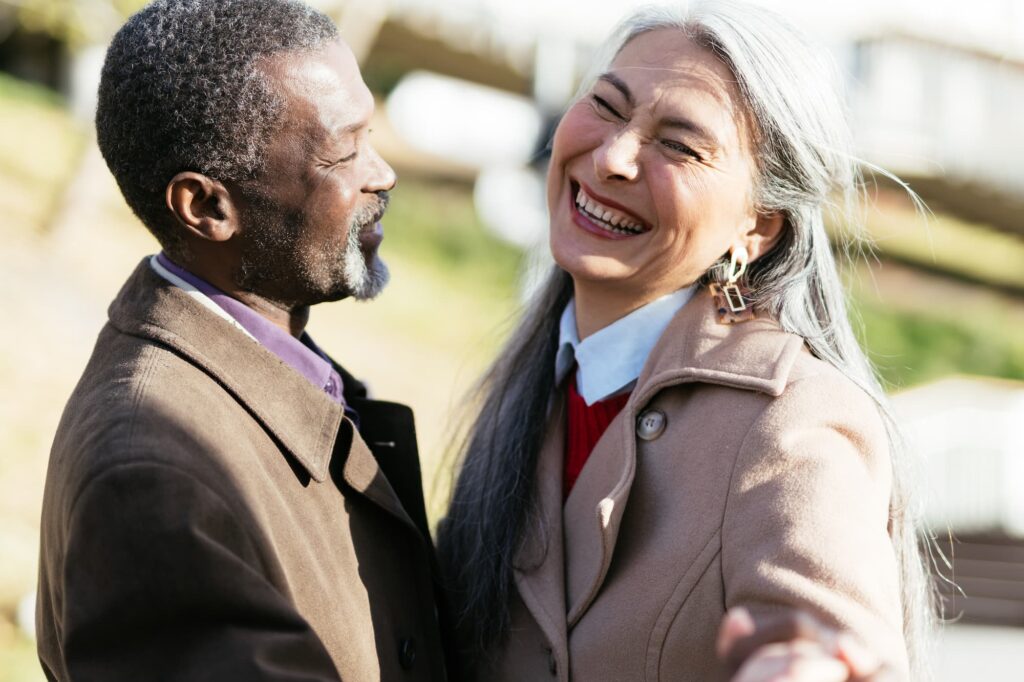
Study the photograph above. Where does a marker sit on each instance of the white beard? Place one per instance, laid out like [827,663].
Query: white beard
[364,280]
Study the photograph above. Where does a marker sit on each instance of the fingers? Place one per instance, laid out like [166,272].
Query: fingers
[741,635]
[793,646]
[797,661]
[864,665]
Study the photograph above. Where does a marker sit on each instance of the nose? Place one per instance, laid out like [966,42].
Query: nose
[617,157]
[381,176]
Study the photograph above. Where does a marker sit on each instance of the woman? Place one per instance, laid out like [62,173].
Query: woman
[684,422]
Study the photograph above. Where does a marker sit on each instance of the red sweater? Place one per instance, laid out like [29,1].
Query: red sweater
[585,426]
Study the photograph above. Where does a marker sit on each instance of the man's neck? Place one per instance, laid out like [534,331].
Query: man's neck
[292,320]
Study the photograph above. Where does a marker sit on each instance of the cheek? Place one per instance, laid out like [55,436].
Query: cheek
[701,214]
[680,203]
[333,198]
[578,133]
[567,129]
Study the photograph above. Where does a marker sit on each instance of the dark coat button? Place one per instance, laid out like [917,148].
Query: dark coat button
[407,653]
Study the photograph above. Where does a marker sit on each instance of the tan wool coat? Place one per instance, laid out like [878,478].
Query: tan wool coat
[209,514]
[763,481]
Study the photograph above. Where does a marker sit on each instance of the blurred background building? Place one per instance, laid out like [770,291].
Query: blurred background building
[468,92]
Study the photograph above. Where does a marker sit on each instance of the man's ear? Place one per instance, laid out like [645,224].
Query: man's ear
[202,206]
[764,234]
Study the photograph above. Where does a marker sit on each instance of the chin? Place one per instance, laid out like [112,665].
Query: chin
[589,266]
[367,280]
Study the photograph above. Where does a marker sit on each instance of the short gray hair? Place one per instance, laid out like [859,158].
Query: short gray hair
[181,90]
[806,170]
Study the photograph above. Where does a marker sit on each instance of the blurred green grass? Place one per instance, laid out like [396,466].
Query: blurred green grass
[436,225]
[18,660]
[39,146]
[913,347]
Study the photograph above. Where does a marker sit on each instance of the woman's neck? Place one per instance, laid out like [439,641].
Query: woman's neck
[598,306]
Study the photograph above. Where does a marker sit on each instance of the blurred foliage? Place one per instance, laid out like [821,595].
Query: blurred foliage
[943,243]
[75,22]
[39,147]
[382,73]
[911,347]
[436,225]
[18,660]
[15,93]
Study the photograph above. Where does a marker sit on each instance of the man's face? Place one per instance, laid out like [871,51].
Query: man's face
[310,222]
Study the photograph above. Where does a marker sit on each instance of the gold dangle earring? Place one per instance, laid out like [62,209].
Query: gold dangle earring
[729,300]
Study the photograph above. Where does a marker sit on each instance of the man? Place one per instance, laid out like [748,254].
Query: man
[223,502]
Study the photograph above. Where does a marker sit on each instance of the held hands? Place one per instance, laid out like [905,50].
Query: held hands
[793,647]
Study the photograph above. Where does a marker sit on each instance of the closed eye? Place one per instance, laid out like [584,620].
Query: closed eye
[350,157]
[681,148]
[603,104]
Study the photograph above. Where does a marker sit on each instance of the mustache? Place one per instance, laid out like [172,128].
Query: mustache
[373,212]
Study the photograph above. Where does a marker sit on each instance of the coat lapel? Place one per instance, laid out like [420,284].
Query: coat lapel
[362,472]
[755,355]
[388,430]
[539,563]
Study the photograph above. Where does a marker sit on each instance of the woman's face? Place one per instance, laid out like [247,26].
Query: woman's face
[651,176]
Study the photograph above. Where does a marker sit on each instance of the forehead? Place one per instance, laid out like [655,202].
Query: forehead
[323,90]
[673,75]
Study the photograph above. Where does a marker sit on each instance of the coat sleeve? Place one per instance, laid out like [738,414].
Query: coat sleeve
[806,521]
[162,581]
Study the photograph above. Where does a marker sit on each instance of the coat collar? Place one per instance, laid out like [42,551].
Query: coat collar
[755,355]
[301,418]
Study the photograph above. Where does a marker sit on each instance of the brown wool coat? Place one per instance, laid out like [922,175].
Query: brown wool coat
[210,515]
[769,487]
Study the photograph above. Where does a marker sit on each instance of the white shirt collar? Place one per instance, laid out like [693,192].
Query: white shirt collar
[610,360]
[197,295]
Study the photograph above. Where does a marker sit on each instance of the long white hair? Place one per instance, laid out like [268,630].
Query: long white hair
[806,170]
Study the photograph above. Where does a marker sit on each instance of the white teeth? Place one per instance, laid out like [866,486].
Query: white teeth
[608,218]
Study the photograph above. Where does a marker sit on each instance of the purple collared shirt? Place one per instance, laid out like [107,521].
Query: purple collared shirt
[301,354]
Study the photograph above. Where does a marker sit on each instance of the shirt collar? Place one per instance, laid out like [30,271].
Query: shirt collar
[300,354]
[610,360]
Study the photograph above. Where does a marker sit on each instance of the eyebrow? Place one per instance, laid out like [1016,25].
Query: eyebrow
[687,125]
[340,131]
[619,85]
[330,137]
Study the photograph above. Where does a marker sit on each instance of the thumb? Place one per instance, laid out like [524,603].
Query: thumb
[736,625]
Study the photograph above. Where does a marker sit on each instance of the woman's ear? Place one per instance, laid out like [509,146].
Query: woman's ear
[764,234]
[202,206]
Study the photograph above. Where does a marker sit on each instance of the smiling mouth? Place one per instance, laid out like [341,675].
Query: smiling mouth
[607,218]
